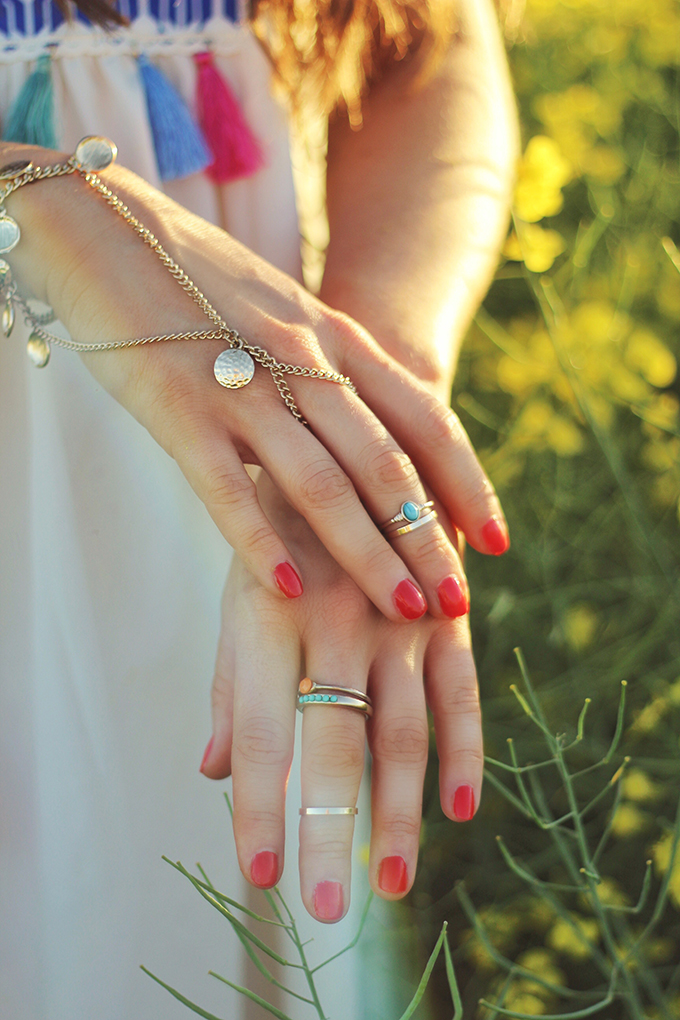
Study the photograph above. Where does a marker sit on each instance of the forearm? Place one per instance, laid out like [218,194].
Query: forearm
[418,200]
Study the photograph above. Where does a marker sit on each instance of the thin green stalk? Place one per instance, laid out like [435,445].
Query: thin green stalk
[252,996]
[530,878]
[350,945]
[303,958]
[187,1002]
[209,887]
[453,983]
[422,985]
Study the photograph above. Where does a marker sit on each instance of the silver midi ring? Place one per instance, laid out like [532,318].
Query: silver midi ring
[411,516]
[332,694]
[329,811]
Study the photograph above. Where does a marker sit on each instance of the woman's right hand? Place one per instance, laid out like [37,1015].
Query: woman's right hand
[346,475]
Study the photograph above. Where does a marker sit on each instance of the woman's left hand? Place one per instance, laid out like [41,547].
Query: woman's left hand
[335,635]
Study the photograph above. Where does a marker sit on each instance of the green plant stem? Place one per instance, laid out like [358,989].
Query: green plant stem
[303,958]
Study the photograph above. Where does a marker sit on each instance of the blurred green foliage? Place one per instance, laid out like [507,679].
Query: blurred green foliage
[568,386]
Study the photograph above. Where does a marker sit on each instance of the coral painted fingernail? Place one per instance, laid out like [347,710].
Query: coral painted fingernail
[464,803]
[264,869]
[408,600]
[206,753]
[328,901]
[495,534]
[392,875]
[453,597]
[288,580]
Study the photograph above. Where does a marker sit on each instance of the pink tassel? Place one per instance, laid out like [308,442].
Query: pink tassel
[236,151]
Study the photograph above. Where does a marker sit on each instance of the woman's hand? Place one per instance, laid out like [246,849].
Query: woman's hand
[334,635]
[350,472]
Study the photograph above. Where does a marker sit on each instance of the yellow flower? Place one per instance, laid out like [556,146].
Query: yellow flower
[649,717]
[541,174]
[536,247]
[638,786]
[661,854]
[579,625]
[629,820]
[542,962]
[646,353]
[565,939]
[603,163]
[564,437]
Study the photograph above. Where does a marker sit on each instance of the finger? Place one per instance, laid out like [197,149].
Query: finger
[438,443]
[216,763]
[323,494]
[217,475]
[266,678]
[398,738]
[386,481]
[453,696]
[333,747]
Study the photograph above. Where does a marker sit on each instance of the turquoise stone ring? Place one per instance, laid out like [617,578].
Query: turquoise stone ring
[411,515]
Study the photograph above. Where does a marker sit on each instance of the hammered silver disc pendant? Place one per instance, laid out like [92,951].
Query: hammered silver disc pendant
[8,317]
[9,233]
[95,153]
[234,368]
[38,350]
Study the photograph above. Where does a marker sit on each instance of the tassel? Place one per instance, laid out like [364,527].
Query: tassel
[235,149]
[180,147]
[31,117]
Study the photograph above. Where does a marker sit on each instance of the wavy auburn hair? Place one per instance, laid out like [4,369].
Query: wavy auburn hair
[326,52]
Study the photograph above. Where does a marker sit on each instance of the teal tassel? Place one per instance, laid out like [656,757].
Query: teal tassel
[31,118]
[179,144]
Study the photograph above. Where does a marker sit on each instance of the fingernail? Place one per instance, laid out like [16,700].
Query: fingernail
[206,753]
[264,869]
[328,901]
[495,534]
[464,803]
[288,580]
[453,597]
[408,600]
[392,875]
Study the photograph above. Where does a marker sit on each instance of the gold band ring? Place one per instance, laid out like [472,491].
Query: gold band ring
[428,518]
[329,811]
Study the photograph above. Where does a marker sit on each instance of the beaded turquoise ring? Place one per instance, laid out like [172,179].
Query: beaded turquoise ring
[411,515]
[330,694]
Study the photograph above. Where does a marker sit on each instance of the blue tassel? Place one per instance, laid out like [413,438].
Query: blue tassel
[31,118]
[180,148]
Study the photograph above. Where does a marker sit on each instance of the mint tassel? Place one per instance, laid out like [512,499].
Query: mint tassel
[180,147]
[236,152]
[31,118]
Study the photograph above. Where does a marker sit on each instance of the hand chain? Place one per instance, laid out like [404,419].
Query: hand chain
[232,369]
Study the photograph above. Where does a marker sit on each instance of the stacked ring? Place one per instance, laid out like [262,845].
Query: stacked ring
[331,694]
[329,811]
[411,516]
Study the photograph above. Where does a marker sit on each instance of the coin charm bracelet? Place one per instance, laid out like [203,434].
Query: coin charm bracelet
[234,367]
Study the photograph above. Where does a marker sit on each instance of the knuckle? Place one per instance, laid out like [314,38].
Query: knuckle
[323,486]
[462,699]
[225,488]
[293,340]
[388,467]
[336,754]
[432,543]
[263,742]
[255,817]
[440,425]
[404,741]
[472,756]
[320,844]
[401,825]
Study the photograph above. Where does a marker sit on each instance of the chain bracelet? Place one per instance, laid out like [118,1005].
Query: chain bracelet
[234,367]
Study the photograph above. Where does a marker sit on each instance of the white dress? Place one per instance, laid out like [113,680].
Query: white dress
[110,580]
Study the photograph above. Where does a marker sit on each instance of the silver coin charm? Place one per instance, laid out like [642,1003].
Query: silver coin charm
[8,317]
[38,350]
[234,368]
[10,171]
[95,153]
[9,233]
